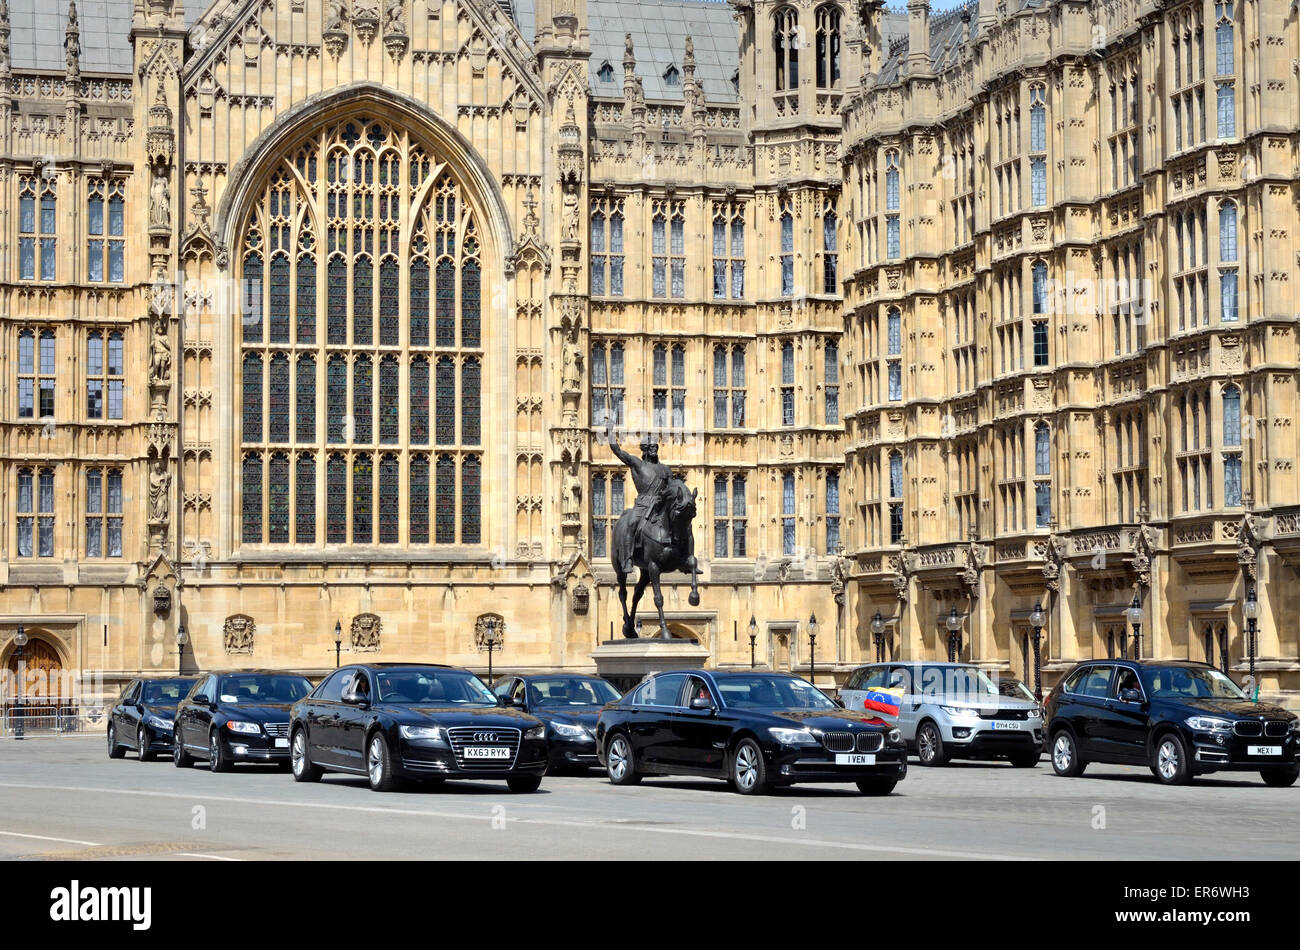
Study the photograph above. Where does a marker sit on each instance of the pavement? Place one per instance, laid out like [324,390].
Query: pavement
[65,799]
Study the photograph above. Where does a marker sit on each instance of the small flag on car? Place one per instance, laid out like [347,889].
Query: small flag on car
[883,700]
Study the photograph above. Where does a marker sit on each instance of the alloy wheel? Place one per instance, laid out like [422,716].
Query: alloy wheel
[375,761]
[746,766]
[214,753]
[925,744]
[618,757]
[298,753]
[1062,754]
[1167,759]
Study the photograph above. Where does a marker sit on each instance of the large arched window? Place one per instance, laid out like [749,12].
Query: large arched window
[828,47]
[362,270]
[785,48]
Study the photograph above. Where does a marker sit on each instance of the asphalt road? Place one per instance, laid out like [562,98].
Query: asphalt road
[64,799]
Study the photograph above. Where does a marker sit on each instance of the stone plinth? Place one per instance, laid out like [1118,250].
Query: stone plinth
[625,662]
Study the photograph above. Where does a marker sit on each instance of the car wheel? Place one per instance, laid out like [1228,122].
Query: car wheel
[929,745]
[1065,755]
[300,759]
[379,765]
[1169,760]
[180,758]
[877,786]
[619,763]
[142,745]
[1280,778]
[115,751]
[1026,761]
[748,770]
[217,761]
[524,783]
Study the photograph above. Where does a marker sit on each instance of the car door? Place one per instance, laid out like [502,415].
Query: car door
[202,714]
[204,689]
[323,718]
[650,726]
[1124,728]
[907,678]
[124,725]
[854,691]
[1088,713]
[700,736]
[353,718]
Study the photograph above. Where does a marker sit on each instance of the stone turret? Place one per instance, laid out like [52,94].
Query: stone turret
[918,36]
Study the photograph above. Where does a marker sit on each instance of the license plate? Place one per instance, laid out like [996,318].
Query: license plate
[487,752]
[1264,750]
[1006,725]
[855,758]
[282,743]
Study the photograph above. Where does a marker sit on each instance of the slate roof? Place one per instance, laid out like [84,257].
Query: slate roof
[38,28]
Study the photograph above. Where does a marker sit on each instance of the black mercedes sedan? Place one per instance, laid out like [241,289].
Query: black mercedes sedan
[237,716]
[755,729]
[1178,717]
[569,706]
[143,717]
[397,721]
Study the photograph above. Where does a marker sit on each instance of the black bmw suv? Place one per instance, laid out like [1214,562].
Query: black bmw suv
[1178,717]
[396,721]
[237,716]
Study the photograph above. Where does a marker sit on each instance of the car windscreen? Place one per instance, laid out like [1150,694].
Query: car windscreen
[262,688]
[772,692]
[570,691]
[959,683]
[1189,682]
[1014,689]
[433,687]
[165,692]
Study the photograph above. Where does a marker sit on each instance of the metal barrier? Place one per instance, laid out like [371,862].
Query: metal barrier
[43,716]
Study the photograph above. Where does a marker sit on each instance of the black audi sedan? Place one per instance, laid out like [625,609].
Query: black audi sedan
[237,716]
[1178,717]
[756,729]
[143,717]
[391,722]
[569,706]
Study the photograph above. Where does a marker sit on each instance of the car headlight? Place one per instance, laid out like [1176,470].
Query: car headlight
[432,733]
[1295,725]
[537,732]
[1034,713]
[1207,724]
[893,737]
[570,731]
[247,728]
[157,722]
[961,712]
[793,736]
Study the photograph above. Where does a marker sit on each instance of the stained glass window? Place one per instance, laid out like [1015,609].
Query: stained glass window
[346,201]
[419,401]
[419,495]
[445,500]
[388,400]
[252,489]
[305,500]
[278,399]
[390,500]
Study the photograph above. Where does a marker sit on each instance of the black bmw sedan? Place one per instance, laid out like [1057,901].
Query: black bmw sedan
[237,716]
[391,722]
[1178,717]
[757,730]
[569,706]
[143,717]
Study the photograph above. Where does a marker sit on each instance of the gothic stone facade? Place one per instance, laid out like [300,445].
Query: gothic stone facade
[313,312]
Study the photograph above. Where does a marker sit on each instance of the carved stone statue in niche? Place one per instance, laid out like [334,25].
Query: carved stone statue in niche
[572,374]
[572,500]
[160,481]
[335,14]
[160,201]
[393,17]
[160,355]
[572,225]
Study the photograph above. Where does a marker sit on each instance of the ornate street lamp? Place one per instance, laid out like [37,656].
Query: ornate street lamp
[812,649]
[1135,620]
[181,640]
[20,641]
[491,639]
[1036,620]
[753,640]
[878,634]
[338,643]
[954,635]
[1250,609]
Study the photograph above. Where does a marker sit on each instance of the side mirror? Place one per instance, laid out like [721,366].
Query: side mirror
[1130,695]
[202,700]
[353,698]
[838,702]
[702,703]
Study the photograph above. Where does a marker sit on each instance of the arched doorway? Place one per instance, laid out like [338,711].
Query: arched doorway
[43,668]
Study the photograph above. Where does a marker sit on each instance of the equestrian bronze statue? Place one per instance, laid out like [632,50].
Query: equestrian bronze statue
[655,533]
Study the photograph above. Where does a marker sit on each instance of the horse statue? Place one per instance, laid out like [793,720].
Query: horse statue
[655,534]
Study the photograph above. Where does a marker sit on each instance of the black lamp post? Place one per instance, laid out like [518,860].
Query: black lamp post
[338,643]
[20,641]
[1135,620]
[812,649]
[954,635]
[181,639]
[490,638]
[878,635]
[1036,620]
[1251,611]
[753,640]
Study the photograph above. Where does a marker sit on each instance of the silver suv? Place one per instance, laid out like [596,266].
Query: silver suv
[954,711]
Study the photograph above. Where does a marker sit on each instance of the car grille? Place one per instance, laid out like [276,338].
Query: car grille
[1017,714]
[870,741]
[463,737]
[838,741]
[1248,727]
[277,730]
